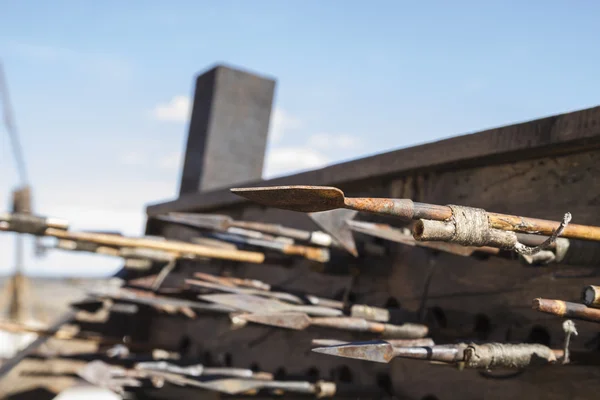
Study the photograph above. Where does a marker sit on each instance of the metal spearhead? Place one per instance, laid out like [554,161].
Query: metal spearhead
[384,352]
[289,320]
[255,304]
[237,290]
[393,342]
[335,223]
[203,221]
[377,351]
[295,198]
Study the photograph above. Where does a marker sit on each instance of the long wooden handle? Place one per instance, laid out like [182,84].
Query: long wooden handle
[166,245]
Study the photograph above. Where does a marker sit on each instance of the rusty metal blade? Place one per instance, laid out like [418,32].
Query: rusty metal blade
[245,303]
[376,351]
[335,223]
[393,342]
[222,385]
[256,292]
[295,198]
[289,320]
[129,295]
[255,304]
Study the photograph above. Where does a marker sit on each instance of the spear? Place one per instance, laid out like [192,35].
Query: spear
[290,298]
[308,252]
[335,223]
[256,284]
[150,299]
[404,236]
[104,375]
[323,198]
[40,226]
[224,223]
[254,304]
[394,342]
[474,356]
[201,370]
[356,310]
[301,321]
[233,281]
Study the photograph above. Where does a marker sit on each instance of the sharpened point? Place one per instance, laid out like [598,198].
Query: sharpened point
[288,320]
[375,351]
[295,198]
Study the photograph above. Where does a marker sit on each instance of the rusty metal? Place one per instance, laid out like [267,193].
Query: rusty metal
[153,300]
[393,342]
[404,236]
[356,310]
[224,223]
[201,370]
[29,223]
[301,321]
[370,313]
[567,309]
[106,376]
[335,223]
[257,292]
[306,199]
[310,253]
[323,198]
[22,200]
[227,385]
[164,245]
[255,304]
[475,356]
[319,301]
[233,281]
[591,296]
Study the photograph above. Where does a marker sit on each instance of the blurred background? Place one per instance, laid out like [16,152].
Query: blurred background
[100,94]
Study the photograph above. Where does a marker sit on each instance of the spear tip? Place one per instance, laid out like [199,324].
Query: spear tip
[294,198]
[375,351]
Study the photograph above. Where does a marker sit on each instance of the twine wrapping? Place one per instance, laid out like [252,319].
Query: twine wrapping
[512,356]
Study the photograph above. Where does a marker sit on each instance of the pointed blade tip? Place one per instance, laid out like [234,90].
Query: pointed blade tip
[381,352]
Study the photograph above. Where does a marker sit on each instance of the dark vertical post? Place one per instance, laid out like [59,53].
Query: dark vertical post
[228,130]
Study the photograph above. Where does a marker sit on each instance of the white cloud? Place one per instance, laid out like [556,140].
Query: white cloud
[281,123]
[178,109]
[327,141]
[284,160]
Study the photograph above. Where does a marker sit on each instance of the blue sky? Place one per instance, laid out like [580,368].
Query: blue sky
[100,89]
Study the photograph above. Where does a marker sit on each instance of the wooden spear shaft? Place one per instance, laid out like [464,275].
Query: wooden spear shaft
[167,245]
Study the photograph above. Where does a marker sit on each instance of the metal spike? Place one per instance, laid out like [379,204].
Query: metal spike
[376,351]
[237,290]
[255,304]
[295,198]
[289,320]
[335,223]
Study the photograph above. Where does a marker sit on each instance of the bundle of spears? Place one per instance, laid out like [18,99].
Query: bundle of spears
[385,333]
